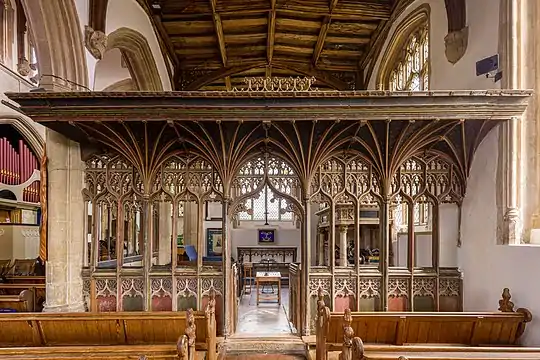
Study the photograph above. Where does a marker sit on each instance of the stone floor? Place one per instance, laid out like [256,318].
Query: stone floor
[267,319]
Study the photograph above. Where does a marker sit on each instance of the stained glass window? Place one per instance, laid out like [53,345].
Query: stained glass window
[411,70]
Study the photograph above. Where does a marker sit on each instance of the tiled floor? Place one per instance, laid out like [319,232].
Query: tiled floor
[268,318]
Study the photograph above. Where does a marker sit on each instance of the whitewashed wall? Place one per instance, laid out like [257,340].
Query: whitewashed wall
[127,13]
[487,267]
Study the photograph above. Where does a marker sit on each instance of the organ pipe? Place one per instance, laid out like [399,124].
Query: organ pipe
[17,167]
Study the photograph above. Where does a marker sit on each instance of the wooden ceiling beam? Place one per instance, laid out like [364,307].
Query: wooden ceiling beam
[221,39]
[271,33]
[351,15]
[322,33]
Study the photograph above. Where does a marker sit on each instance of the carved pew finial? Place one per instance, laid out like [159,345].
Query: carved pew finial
[210,314]
[182,347]
[191,333]
[505,304]
[353,347]
[322,326]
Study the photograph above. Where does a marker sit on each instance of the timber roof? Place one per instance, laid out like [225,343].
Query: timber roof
[214,44]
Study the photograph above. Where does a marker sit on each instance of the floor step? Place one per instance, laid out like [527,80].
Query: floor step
[265,357]
[253,348]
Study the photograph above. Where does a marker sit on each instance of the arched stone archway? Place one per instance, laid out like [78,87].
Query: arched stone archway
[24,126]
[59,44]
[139,58]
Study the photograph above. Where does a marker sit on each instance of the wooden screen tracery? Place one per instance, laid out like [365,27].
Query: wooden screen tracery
[271,179]
[348,188]
[347,191]
[151,222]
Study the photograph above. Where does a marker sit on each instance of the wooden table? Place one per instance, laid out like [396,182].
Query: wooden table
[269,278]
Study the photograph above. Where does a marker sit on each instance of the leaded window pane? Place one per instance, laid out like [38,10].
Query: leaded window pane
[411,69]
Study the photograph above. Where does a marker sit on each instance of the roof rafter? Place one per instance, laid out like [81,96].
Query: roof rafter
[271,33]
[218,26]
[357,15]
[322,33]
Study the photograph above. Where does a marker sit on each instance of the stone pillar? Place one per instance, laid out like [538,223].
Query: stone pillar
[510,134]
[343,245]
[320,247]
[165,233]
[65,225]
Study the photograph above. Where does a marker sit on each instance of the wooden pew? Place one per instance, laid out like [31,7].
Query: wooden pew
[118,352]
[392,328]
[38,291]
[353,348]
[24,302]
[108,329]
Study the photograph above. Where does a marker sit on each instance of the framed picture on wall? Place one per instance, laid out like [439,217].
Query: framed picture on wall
[267,236]
[214,241]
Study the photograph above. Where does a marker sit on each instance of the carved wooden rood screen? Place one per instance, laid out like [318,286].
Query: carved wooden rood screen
[372,180]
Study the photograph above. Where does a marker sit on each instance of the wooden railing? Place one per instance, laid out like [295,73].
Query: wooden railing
[295,309]
[336,330]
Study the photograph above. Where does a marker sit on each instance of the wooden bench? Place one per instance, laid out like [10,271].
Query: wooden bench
[118,352]
[111,329]
[502,328]
[432,352]
[24,302]
[38,292]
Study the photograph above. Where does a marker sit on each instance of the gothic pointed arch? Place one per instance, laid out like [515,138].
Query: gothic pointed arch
[27,130]
[266,188]
[59,43]
[139,58]
[415,27]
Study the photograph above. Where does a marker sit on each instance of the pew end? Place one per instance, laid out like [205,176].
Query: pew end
[24,302]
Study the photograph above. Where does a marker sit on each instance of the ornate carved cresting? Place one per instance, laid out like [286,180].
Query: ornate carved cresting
[455,43]
[353,347]
[278,84]
[323,323]
[95,42]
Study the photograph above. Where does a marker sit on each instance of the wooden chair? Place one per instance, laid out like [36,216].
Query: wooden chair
[247,277]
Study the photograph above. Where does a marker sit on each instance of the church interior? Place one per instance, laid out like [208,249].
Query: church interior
[277,179]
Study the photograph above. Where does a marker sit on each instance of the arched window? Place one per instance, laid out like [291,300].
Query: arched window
[411,71]
[405,63]
[266,207]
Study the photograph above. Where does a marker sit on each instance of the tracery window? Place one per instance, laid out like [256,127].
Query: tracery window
[266,205]
[411,69]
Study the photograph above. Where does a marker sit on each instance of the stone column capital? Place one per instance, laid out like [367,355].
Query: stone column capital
[343,228]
